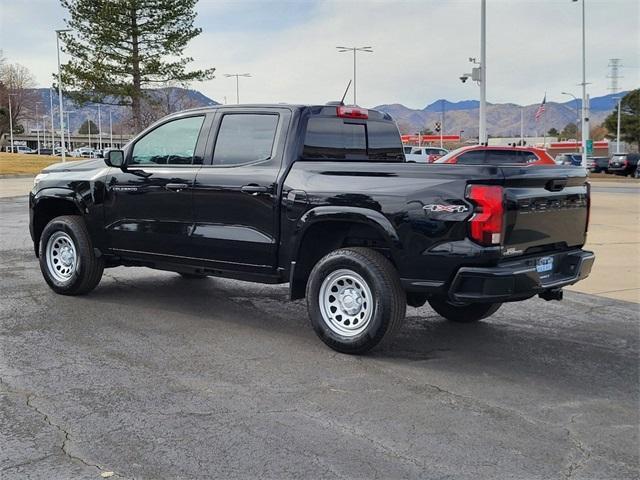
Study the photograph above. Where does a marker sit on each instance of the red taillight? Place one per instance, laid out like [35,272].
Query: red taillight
[485,227]
[352,112]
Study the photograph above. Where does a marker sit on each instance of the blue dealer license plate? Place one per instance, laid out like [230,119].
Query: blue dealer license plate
[544,264]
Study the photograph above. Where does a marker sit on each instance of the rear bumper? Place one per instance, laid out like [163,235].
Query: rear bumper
[519,279]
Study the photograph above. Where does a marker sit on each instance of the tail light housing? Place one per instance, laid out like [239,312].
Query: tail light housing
[486,224]
[344,111]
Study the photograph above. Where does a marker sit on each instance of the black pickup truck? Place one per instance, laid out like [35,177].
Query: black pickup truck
[319,197]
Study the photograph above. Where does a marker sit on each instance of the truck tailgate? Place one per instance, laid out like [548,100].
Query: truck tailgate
[546,208]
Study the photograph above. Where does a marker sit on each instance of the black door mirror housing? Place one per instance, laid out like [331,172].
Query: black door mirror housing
[114,158]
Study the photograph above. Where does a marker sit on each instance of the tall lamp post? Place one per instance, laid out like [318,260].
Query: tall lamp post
[68,128]
[44,130]
[37,127]
[99,127]
[58,32]
[53,145]
[585,119]
[237,75]
[577,109]
[354,50]
[11,120]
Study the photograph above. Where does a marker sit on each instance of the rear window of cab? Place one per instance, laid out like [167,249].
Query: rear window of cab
[333,138]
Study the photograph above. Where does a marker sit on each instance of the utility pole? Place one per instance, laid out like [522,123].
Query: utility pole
[483,72]
[58,32]
[354,50]
[237,75]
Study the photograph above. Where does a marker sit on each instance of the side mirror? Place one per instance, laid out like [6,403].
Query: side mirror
[114,158]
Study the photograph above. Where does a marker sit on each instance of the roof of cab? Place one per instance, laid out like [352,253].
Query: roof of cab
[292,106]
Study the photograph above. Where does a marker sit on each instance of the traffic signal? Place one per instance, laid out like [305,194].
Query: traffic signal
[438,127]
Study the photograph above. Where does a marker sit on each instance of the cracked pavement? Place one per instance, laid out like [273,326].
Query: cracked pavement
[152,376]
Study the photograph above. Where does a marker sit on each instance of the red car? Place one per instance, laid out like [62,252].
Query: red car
[479,155]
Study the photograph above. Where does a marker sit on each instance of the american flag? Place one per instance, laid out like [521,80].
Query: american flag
[540,110]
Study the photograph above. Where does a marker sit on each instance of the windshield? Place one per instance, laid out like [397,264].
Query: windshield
[451,154]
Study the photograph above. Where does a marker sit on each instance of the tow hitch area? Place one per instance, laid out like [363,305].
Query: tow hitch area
[555,294]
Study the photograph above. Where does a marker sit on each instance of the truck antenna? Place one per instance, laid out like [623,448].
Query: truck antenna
[345,93]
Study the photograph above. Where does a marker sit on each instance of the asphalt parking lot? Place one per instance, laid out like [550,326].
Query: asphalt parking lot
[152,376]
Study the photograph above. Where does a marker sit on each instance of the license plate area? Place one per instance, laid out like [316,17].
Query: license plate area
[544,264]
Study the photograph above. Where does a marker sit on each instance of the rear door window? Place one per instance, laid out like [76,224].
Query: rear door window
[245,138]
[475,157]
[504,157]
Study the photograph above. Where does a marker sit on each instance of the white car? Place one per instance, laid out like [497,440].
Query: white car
[85,152]
[21,149]
[424,154]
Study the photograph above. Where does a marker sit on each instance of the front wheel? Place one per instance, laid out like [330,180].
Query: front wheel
[463,313]
[355,300]
[67,259]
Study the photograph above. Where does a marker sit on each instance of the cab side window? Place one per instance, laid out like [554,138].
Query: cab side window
[475,157]
[245,138]
[172,143]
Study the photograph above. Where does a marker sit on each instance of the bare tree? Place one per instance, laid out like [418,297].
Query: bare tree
[16,81]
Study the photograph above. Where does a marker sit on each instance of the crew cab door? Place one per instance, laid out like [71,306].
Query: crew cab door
[236,191]
[149,205]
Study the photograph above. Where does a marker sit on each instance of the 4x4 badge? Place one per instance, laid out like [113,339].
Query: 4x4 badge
[434,207]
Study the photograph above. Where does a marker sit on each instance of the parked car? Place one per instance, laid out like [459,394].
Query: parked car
[574,159]
[425,154]
[481,155]
[624,164]
[46,151]
[84,152]
[598,164]
[21,149]
[321,198]
[58,151]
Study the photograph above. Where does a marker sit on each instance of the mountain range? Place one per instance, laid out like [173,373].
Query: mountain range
[503,119]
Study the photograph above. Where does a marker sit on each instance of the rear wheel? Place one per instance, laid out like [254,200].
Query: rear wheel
[67,259]
[355,300]
[463,313]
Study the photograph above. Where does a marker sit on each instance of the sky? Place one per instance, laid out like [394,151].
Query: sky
[421,47]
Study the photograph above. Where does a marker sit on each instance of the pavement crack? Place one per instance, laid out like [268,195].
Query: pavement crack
[583,451]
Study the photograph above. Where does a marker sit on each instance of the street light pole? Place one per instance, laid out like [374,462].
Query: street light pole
[354,50]
[585,119]
[51,112]
[577,110]
[99,127]
[37,127]
[482,134]
[68,127]
[237,75]
[44,130]
[110,130]
[11,120]
[618,127]
[58,32]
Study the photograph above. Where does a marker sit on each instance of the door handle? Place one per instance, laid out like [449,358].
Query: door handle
[176,187]
[254,189]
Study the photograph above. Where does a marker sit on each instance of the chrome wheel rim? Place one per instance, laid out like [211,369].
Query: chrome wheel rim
[346,303]
[62,258]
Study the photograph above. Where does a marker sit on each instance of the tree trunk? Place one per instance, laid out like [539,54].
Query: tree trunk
[135,63]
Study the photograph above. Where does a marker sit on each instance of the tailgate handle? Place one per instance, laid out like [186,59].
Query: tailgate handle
[556,184]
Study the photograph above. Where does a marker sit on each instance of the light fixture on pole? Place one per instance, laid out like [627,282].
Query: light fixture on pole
[577,110]
[237,75]
[354,50]
[11,120]
[58,32]
[585,106]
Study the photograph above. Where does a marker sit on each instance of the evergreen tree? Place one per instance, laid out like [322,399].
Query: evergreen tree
[119,48]
[553,132]
[84,128]
[629,118]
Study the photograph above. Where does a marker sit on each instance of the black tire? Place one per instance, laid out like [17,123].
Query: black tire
[469,313]
[384,314]
[193,276]
[88,269]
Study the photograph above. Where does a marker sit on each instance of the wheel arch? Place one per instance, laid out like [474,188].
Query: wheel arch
[324,229]
[50,203]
